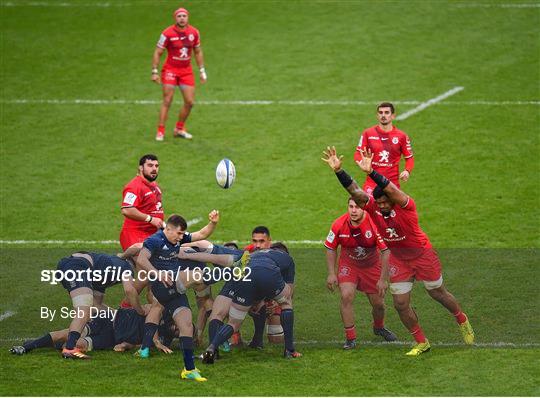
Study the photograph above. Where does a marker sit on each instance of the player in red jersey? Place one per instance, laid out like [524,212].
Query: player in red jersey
[141,204]
[412,256]
[359,269]
[180,40]
[388,144]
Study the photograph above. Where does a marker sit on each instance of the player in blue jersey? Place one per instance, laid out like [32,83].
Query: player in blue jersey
[86,276]
[159,257]
[270,275]
[120,330]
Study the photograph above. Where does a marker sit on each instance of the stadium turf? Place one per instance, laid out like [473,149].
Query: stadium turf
[475,182]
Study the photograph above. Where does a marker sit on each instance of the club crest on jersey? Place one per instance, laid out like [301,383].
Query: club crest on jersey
[368,234]
[395,140]
[191,37]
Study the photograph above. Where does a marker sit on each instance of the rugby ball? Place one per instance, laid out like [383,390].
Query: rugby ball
[225,173]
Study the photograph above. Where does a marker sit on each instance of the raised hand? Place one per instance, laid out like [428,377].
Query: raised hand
[365,163]
[331,158]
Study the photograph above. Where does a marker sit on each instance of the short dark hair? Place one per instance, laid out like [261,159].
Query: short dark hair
[378,192]
[146,157]
[261,229]
[177,221]
[386,105]
[231,245]
[280,246]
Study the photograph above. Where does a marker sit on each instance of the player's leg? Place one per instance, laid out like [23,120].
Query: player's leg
[258,313]
[378,313]
[274,331]
[347,292]
[151,324]
[220,310]
[284,299]
[368,278]
[168,94]
[82,299]
[401,294]
[429,270]
[223,260]
[203,295]
[182,318]
[47,340]
[188,94]
[447,299]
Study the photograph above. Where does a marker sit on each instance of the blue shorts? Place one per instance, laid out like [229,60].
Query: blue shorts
[100,334]
[169,297]
[265,283]
[74,264]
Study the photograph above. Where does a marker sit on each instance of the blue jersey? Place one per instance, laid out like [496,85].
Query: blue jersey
[116,268]
[268,257]
[164,254]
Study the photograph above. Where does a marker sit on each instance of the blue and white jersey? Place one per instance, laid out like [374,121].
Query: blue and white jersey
[111,268]
[164,254]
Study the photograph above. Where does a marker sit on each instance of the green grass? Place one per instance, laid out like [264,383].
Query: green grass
[475,180]
[483,280]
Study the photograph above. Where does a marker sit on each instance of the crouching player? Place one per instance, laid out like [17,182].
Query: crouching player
[92,274]
[262,280]
[412,256]
[359,268]
[121,331]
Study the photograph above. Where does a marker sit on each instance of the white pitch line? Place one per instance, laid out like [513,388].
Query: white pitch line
[487,5]
[6,315]
[430,102]
[64,4]
[23,101]
[498,344]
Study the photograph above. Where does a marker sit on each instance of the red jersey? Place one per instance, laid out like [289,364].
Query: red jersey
[250,248]
[387,149]
[400,230]
[358,243]
[179,44]
[144,196]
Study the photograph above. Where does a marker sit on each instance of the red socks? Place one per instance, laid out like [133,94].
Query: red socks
[418,334]
[350,332]
[161,129]
[180,125]
[460,317]
[378,323]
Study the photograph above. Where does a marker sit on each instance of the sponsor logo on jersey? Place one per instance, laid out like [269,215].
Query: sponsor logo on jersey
[175,38]
[373,138]
[344,236]
[331,236]
[162,40]
[391,232]
[393,270]
[360,252]
[344,271]
[130,198]
[384,156]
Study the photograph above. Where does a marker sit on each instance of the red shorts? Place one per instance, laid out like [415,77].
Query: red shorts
[425,267]
[178,77]
[364,278]
[130,236]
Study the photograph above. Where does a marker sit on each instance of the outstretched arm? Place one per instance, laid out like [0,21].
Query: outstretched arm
[334,162]
[395,194]
[206,231]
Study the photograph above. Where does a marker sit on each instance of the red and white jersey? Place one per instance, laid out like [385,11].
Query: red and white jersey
[400,230]
[387,148]
[144,196]
[360,244]
[179,44]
